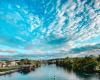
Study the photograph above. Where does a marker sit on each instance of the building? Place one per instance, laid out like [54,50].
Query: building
[2,64]
[8,63]
[13,63]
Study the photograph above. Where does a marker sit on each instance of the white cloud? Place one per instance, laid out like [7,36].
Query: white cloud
[34,22]
[19,38]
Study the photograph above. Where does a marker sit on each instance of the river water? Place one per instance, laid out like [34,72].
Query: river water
[50,72]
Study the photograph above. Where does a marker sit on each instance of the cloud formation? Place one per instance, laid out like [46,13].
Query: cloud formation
[8,51]
[49,28]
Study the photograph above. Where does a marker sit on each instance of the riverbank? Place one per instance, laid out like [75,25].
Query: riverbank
[8,72]
[7,66]
[78,64]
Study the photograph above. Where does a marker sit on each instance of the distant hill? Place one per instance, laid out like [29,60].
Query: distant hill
[5,57]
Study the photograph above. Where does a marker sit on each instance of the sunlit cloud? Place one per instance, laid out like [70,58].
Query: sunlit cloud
[8,51]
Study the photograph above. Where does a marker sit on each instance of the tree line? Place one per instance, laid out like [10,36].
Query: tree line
[86,64]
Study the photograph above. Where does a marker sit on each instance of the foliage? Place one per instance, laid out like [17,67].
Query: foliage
[24,62]
[87,64]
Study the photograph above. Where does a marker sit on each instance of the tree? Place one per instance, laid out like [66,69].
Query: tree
[98,58]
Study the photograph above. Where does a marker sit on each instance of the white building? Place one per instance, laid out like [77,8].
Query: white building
[13,63]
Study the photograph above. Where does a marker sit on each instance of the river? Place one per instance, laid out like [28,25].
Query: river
[50,72]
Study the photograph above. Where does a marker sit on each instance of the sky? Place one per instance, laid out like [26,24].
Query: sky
[49,28]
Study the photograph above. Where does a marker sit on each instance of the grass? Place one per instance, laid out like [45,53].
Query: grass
[7,69]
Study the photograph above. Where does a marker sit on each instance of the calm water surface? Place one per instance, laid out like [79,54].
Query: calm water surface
[50,72]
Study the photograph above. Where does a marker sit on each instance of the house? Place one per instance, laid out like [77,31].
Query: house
[13,63]
[2,64]
[8,63]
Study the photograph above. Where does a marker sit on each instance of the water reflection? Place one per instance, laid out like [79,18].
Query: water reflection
[82,75]
[25,71]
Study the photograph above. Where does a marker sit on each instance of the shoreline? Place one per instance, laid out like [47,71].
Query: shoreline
[8,72]
[25,67]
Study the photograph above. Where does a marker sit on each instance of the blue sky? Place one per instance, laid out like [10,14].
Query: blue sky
[48,28]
